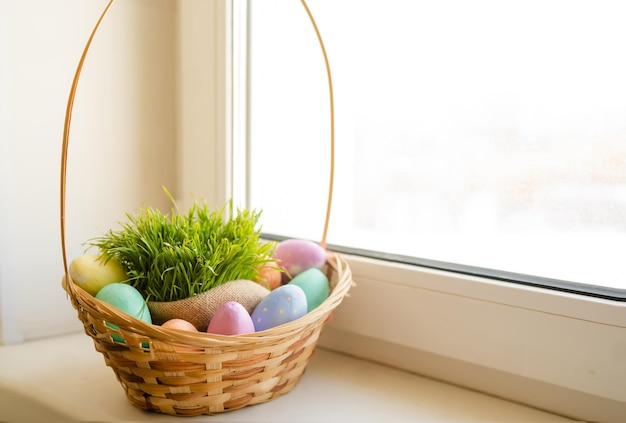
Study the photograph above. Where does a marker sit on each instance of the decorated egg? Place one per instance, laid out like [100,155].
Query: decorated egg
[184,325]
[231,318]
[269,276]
[298,255]
[127,299]
[91,272]
[179,324]
[282,305]
[314,283]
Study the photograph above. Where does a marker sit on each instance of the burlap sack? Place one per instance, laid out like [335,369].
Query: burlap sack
[199,310]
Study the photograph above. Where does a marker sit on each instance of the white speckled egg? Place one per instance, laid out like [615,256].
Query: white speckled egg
[282,305]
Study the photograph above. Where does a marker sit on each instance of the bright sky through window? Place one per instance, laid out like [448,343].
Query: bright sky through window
[485,133]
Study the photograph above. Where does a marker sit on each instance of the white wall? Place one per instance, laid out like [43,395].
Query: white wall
[203,111]
[122,145]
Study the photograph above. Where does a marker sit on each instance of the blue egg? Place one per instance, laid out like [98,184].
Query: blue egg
[282,305]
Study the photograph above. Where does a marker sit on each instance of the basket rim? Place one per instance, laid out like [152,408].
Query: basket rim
[113,315]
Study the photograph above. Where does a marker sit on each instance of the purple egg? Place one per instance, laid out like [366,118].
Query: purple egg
[298,255]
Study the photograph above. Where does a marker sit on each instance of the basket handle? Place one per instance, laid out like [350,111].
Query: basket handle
[332,124]
[68,119]
[66,136]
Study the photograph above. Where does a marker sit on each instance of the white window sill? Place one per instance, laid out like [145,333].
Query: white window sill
[553,351]
[65,379]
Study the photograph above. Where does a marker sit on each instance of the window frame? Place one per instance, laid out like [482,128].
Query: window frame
[550,349]
[547,349]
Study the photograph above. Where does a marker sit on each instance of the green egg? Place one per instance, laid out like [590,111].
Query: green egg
[314,283]
[127,299]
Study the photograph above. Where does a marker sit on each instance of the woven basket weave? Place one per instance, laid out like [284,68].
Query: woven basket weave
[191,373]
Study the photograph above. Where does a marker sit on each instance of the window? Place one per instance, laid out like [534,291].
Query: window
[482,136]
[440,302]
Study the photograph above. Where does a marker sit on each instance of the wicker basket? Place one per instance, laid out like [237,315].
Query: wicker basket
[189,373]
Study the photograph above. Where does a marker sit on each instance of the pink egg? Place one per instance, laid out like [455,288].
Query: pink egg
[231,318]
[298,255]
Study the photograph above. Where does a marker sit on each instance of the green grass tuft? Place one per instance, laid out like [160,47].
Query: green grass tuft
[176,256]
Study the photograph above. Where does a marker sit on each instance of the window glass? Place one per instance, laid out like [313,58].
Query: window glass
[484,133]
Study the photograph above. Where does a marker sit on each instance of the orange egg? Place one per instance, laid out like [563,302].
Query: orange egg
[269,276]
[179,324]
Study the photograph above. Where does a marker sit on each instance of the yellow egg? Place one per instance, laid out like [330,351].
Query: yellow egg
[91,273]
